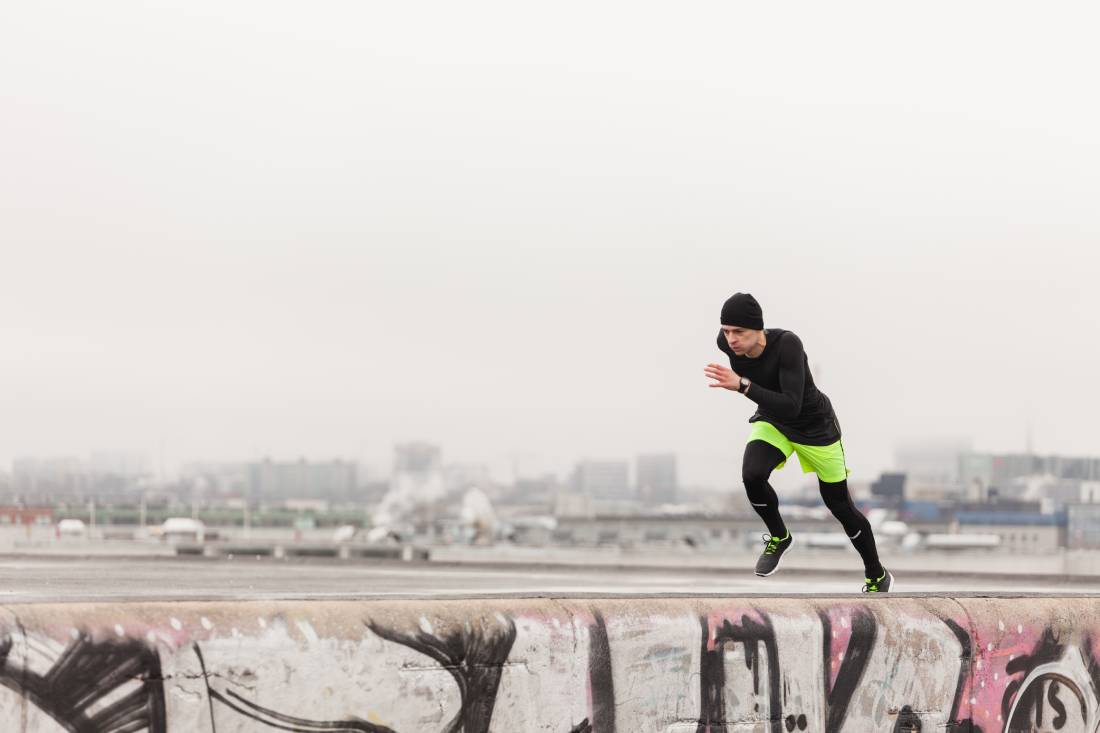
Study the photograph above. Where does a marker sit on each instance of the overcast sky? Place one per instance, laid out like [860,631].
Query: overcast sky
[265,228]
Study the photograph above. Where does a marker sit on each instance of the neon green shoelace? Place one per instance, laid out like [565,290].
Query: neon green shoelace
[773,543]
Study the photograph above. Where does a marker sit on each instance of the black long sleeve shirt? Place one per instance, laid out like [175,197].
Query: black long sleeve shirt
[784,391]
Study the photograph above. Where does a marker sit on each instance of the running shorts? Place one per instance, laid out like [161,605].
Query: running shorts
[827,461]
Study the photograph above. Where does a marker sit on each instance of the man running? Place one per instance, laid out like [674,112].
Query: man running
[770,367]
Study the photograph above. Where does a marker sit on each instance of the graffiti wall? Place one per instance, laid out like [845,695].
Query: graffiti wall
[559,666]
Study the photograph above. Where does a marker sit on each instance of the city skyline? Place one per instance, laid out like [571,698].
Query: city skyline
[920,458]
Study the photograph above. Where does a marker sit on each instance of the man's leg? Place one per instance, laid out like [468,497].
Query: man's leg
[832,471]
[839,500]
[760,460]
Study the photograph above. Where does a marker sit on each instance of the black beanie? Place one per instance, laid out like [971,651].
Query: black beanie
[742,310]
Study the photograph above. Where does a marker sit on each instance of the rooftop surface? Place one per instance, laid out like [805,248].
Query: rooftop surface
[28,579]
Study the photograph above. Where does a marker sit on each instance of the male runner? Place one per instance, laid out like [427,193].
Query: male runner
[770,367]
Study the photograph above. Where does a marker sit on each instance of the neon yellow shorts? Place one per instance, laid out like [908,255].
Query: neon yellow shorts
[827,461]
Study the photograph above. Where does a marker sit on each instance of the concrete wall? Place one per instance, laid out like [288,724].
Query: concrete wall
[676,665]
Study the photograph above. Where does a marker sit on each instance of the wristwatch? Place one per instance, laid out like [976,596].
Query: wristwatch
[744,386]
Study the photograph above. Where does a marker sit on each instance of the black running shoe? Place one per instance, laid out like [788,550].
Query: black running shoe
[773,551]
[881,585]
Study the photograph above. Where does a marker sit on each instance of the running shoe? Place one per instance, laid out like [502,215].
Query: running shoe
[881,585]
[773,551]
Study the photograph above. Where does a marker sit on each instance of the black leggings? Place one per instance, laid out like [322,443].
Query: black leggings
[760,460]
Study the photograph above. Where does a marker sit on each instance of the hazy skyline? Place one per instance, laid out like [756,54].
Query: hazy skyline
[247,229]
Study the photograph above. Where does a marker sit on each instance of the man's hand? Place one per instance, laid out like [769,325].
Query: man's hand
[725,376]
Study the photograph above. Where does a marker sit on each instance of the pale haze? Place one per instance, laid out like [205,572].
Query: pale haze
[232,230]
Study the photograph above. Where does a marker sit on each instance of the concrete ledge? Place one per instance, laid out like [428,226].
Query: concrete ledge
[561,665]
[294,549]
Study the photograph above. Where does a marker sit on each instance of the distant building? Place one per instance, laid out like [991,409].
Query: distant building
[127,465]
[1019,533]
[464,476]
[1083,526]
[417,487]
[918,490]
[1023,526]
[65,477]
[276,481]
[1008,467]
[320,506]
[1085,469]
[933,461]
[981,473]
[417,457]
[889,490]
[22,515]
[61,478]
[976,476]
[602,479]
[1060,492]
[999,509]
[1024,539]
[639,530]
[568,504]
[223,478]
[536,490]
[373,490]
[656,479]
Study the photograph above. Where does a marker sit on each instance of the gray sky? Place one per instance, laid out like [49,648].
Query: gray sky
[236,229]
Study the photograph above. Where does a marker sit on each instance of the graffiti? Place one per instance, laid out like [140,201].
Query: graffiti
[755,636]
[110,686]
[751,634]
[837,667]
[473,655]
[965,657]
[908,721]
[862,639]
[600,678]
[239,704]
[1058,690]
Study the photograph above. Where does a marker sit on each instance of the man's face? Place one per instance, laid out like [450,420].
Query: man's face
[740,339]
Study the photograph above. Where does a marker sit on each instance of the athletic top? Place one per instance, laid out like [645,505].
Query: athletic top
[784,390]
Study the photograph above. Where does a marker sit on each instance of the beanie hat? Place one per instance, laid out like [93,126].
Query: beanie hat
[742,310]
